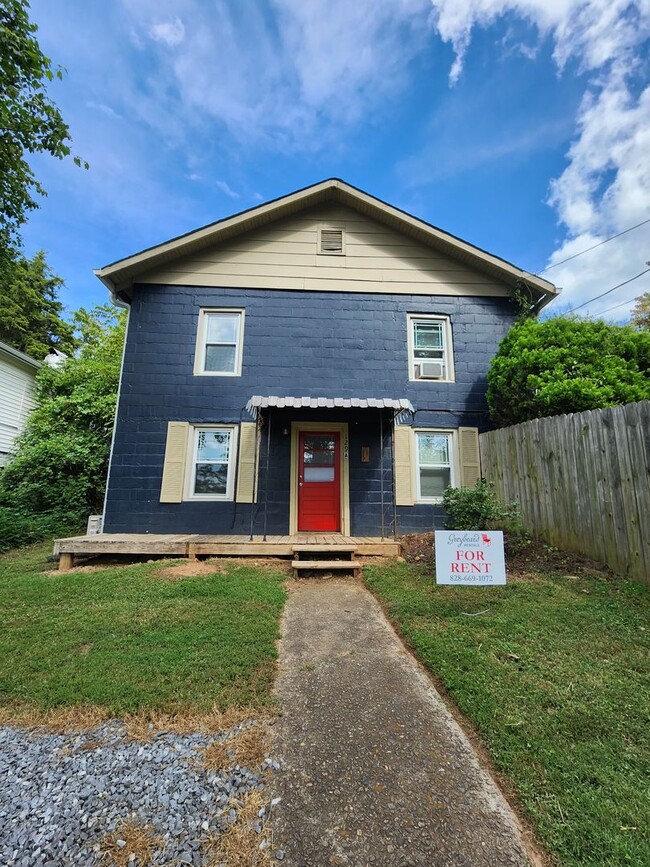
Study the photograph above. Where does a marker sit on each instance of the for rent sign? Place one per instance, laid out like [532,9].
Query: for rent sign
[474,558]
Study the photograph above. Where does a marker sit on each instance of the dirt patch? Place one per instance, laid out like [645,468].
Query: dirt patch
[524,557]
[189,569]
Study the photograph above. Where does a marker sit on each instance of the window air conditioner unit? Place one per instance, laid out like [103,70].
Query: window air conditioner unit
[431,369]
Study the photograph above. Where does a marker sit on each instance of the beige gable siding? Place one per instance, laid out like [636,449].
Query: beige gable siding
[284,255]
[16,402]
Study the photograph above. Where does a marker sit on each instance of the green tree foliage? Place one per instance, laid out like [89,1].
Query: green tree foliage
[57,474]
[566,365]
[29,121]
[30,312]
[641,312]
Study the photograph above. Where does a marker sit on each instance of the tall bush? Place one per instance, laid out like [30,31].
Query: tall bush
[57,473]
[566,365]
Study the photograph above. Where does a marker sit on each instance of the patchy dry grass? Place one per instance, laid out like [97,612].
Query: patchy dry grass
[239,846]
[247,748]
[130,845]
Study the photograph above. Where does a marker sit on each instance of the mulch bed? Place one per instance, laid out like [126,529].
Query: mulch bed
[523,555]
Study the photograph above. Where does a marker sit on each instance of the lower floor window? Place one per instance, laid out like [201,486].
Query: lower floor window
[212,474]
[435,464]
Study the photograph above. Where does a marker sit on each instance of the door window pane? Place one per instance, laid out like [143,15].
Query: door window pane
[319,474]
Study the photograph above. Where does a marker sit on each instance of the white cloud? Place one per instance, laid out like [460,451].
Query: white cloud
[172,32]
[605,187]
[225,188]
[291,83]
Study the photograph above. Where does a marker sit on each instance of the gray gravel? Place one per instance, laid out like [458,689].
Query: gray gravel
[61,794]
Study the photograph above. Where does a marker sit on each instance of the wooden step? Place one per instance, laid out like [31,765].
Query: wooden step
[325,565]
[334,549]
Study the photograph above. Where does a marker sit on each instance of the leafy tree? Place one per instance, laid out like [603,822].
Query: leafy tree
[57,474]
[566,365]
[30,313]
[641,312]
[29,121]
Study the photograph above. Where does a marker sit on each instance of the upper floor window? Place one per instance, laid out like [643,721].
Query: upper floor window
[219,343]
[430,349]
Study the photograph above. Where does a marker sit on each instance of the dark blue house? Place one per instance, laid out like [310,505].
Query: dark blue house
[315,364]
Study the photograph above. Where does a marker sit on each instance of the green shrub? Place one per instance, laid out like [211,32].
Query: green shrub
[566,365]
[479,508]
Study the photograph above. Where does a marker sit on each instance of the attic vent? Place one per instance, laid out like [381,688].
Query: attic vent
[331,241]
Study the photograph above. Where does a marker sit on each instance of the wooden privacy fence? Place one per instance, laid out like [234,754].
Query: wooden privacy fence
[582,481]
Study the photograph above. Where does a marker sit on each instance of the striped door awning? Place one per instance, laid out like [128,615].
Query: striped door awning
[259,401]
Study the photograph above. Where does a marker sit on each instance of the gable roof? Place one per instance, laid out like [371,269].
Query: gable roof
[119,276]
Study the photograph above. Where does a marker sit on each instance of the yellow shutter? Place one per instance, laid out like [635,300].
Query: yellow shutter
[403,466]
[173,478]
[246,488]
[470,459]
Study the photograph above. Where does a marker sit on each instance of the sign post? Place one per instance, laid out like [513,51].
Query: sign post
[472,558]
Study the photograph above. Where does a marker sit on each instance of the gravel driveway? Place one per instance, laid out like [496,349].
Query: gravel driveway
[62,794]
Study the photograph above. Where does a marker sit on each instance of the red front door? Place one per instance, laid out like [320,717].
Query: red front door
[319,482]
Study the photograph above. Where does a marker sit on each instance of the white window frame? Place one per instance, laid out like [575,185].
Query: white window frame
[454,474]
[190,472]
[331,228]
[201,334]
[448,349]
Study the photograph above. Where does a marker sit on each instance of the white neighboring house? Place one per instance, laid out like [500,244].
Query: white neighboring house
[17,375]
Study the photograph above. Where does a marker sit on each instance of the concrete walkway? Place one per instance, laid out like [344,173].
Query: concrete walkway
[375,769]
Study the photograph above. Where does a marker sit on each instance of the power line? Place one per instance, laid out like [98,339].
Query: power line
[602,294]
[609,309]
[589,249]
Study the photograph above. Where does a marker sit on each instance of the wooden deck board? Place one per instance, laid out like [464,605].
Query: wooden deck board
[188,544]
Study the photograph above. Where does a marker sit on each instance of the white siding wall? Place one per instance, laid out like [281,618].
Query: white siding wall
[284,255]
[16,401]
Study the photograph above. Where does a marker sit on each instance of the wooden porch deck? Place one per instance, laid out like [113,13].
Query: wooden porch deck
[193,545]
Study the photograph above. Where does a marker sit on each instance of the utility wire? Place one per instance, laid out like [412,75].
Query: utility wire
[599,244]
[609,309]
[602,294]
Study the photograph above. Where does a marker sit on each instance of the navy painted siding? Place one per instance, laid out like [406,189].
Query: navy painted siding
[295,343]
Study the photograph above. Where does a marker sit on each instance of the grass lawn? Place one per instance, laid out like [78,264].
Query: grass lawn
[129,640]
[555,679]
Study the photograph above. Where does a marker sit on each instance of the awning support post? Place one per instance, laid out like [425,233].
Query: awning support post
[258,423]
[266,474]
[381,470]
[393,476]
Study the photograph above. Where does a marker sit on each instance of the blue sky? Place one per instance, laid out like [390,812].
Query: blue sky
[522,126]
